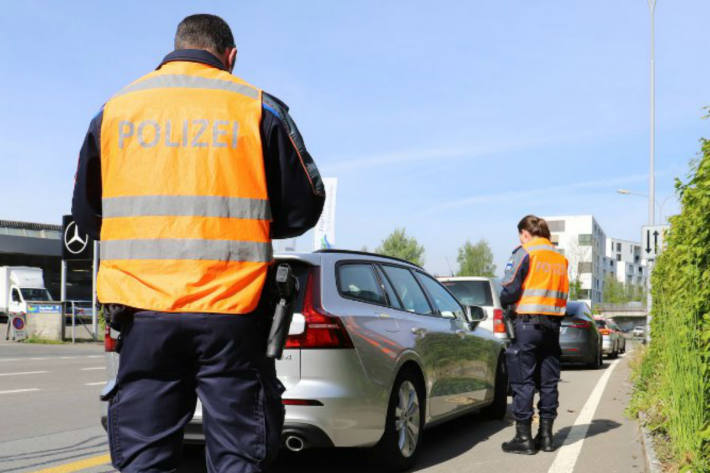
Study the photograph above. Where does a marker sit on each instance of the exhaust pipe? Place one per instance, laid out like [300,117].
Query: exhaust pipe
[295,443]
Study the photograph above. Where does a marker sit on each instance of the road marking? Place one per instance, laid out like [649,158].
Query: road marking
[95,384]
[12,391]
[23,372]
[569,452]
[91,368]
[38,358]
[77,465]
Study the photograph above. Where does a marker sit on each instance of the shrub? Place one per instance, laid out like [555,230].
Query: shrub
[673,382]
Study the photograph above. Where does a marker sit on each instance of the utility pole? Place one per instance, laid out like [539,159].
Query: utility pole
[652,151]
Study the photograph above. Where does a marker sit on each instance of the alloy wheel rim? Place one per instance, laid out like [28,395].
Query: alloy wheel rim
[407,419]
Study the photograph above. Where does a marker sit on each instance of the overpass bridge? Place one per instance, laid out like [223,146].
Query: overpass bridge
[626,316]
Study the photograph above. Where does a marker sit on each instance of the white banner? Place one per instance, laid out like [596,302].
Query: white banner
[324,231]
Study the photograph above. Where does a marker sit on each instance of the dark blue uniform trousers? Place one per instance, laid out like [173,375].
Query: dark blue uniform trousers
[533,361]
[166,361]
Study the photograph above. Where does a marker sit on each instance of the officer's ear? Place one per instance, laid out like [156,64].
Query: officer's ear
[230,58]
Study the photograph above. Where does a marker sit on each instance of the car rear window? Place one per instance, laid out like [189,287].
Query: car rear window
[471,292]
[358,281]
[600,323]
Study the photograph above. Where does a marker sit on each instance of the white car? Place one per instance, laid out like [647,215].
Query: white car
[482,292]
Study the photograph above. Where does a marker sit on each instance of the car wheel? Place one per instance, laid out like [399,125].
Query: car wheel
[597,362]
[497,409]
[399,445]
[615,353]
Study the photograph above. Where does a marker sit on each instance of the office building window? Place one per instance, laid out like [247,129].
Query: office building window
[556,225]
[618,257]
[585,239]
[618,247]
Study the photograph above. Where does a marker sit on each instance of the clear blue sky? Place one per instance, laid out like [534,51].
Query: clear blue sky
[452,119]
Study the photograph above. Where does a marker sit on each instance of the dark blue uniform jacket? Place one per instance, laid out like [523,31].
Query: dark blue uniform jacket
[515,273]
[296,192]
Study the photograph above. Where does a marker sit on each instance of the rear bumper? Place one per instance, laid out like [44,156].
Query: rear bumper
[607,346]
[577,354]
[312,436]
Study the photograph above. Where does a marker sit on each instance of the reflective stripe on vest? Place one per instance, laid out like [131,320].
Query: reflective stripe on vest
[186,215]
[197,205]
[186,249]
[546,285]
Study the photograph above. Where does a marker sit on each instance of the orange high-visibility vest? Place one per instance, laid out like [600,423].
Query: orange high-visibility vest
[546,285]
[185,210]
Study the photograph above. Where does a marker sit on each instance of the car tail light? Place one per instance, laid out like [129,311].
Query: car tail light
[580,324]
[301,402]
[109,342]
[498,324]
[604,331]
[322,330]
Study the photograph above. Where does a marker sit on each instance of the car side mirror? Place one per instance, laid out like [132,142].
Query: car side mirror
[475,314]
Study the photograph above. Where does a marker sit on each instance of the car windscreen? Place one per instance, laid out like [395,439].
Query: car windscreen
[471,292]
[34,294]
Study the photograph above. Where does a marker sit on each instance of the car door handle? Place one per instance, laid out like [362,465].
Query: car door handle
[419,331]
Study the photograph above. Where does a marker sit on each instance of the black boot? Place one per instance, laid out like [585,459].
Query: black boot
[522,442]
[544,438]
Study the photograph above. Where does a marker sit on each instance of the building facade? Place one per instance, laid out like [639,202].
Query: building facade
[593,256]
[581,239]
[626,262]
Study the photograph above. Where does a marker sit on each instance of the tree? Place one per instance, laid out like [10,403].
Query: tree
[575,289]
[476,260]
[399,245]
[614,291]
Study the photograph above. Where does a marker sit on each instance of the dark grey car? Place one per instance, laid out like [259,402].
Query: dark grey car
[579,337]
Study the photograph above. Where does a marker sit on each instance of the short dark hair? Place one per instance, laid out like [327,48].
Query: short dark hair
[535,225]
[204,31]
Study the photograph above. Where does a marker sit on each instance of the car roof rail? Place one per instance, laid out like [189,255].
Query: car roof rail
[366,253]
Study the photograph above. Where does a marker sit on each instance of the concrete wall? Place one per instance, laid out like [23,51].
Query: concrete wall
[45,326]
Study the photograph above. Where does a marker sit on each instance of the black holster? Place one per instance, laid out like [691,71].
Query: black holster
[118,316]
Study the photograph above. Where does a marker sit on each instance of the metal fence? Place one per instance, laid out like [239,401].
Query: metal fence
[77,312]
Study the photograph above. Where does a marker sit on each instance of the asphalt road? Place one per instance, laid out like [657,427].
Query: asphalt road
[49,413]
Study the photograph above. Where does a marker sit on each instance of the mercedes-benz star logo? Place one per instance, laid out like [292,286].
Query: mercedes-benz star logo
[73,241]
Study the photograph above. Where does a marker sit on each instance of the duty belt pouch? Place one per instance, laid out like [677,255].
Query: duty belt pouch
[118,315]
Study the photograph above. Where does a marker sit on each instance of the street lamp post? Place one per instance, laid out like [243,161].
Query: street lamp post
[660,206]
[651,172]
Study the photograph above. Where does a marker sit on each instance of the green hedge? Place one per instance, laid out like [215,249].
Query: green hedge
[673,381]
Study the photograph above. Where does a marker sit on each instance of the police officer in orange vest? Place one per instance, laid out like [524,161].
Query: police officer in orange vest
[186,175]
[536,286]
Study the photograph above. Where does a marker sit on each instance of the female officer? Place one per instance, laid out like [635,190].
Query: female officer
[536,287]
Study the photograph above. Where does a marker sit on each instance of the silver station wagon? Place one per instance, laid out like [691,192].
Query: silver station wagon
[378,350]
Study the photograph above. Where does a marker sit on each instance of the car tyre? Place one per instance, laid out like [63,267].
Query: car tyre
[497,409]
[598,360]
[615,353]
[399,445]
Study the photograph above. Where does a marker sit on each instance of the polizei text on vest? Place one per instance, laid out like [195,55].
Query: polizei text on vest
[196,133]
